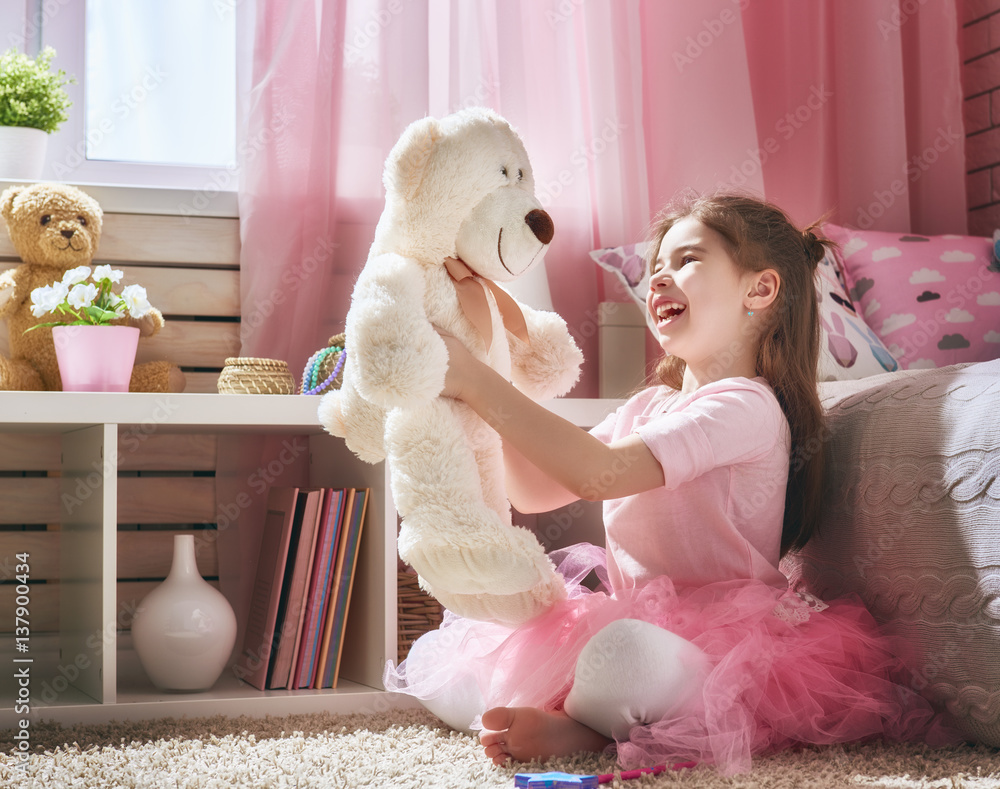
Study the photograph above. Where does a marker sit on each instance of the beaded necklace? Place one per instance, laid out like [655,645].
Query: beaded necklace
[311,373]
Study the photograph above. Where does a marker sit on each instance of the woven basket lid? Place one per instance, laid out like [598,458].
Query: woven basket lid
[251,375]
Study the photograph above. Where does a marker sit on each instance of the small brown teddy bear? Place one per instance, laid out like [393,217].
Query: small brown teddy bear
[55,228]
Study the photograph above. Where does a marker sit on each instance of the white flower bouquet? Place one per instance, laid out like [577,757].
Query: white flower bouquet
[92,303]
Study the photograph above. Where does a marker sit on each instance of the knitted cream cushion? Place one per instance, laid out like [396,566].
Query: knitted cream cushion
[911,524]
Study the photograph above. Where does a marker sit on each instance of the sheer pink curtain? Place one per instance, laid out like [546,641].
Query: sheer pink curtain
[850,107]
[853,108]
[864,104]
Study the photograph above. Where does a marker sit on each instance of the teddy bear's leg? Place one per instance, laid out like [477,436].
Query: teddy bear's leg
[510,609]
[157,377]
[19,375]
[464,551]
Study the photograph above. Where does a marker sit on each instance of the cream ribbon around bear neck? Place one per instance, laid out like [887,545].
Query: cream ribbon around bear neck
[470,288]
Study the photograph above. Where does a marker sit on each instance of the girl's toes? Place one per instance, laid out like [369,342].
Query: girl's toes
[498,719]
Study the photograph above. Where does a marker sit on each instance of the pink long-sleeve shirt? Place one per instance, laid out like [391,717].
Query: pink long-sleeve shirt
[724,450]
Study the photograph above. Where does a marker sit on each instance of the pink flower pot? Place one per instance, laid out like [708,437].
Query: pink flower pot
[95,358]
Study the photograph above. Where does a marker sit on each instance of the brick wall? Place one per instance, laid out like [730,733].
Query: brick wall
[980,45]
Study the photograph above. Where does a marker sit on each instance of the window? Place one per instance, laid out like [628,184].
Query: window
[155,72]
[154,102]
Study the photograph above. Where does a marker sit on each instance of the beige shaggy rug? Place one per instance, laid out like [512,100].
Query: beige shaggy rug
[410,748]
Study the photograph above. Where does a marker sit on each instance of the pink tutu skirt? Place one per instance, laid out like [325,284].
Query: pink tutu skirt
[787,669]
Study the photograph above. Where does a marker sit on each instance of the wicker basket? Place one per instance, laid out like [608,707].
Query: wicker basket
[416,612]
[247,375]
[325,369]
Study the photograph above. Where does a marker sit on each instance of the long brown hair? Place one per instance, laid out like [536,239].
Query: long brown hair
[759,236]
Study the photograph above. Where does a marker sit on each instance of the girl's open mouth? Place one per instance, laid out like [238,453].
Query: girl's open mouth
[668,311]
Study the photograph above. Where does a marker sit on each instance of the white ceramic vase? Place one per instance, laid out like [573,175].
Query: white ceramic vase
[22,152]
[184,630]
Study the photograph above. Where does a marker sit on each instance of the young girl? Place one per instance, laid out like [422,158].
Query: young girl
[695,648]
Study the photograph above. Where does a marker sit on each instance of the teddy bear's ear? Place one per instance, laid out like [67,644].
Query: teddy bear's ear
[404,168]
[7,200]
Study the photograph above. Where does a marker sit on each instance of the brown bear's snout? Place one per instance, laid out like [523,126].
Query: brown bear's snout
[540,224]
[67,233]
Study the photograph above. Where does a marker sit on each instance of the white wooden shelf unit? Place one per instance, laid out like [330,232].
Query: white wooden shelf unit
[87,671]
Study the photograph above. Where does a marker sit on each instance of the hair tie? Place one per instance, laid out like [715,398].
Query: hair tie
[815,249]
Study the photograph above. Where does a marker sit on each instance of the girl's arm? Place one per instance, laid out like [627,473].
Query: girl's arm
[528,487]
[582,465]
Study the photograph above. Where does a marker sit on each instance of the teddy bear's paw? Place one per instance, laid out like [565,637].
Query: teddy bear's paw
[19,376]
[362,425]
[7,290]
[331,415]
[156,377]
[476,561]
[176,380]
[510,610]
[549,365]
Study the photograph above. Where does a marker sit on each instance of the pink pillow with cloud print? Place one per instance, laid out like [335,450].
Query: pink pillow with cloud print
[933,300]
[848,347]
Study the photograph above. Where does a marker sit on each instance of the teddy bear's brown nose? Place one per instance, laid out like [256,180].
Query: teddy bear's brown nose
[540,224]
[67,233]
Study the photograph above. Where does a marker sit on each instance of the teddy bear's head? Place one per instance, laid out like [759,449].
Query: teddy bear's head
[462,186]
[52,224]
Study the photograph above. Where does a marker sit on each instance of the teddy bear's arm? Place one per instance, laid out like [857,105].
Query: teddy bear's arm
[148,325]
[12,292]
[548,365]
[400,358]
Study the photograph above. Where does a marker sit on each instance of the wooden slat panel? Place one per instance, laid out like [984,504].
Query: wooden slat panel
[171,239]
[140,499]
[30,500]
[25,452]
[148,554]
[44,607]
[139,449]
[142,450]
[188,291]
[201,383]
[42,548]
[166,500]
[183,291]
[141,554]
[207,241]
[192,344]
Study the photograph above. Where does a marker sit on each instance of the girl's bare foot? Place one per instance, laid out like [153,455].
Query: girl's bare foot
[526,733]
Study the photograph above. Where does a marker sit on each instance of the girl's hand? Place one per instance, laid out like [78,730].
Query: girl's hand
[464,370]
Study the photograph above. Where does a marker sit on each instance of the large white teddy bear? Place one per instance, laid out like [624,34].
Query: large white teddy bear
[460,215]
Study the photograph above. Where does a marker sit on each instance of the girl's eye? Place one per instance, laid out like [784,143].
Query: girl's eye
[686,259]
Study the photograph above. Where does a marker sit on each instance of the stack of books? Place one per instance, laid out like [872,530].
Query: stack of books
[308,555]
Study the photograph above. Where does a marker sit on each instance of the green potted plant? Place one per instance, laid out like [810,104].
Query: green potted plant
[33,104]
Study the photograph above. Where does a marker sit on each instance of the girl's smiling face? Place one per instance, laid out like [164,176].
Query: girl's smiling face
[699,298]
